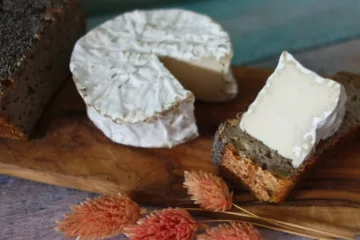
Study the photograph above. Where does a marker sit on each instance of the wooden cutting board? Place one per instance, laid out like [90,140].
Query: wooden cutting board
[67,150]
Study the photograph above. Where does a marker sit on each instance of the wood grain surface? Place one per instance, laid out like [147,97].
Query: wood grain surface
[67,150]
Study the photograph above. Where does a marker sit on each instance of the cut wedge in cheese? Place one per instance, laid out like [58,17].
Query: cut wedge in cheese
[295,110]
[140,72]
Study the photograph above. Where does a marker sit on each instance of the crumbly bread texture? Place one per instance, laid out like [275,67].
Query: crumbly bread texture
[269,176]
[37,38]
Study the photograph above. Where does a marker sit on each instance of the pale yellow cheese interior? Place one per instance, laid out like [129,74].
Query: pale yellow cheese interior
[207,79]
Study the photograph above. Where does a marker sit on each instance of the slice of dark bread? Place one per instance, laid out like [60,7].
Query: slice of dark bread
[269,176]
[37,38]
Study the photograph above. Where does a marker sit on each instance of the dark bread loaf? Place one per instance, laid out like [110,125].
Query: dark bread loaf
[269,176]
[37,38]
[31,6]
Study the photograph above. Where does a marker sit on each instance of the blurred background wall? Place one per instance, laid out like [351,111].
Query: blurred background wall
[259,29]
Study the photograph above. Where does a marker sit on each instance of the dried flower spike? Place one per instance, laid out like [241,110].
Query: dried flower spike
[101,218]
[167,224]
[232,231]
[209,191]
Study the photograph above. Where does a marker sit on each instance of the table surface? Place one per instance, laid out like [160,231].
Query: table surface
[322,36]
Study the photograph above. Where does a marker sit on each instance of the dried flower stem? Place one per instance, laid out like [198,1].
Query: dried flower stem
[99,218]
[235,230]
[165,224]
[282,223]
[269,227]
[309,229]
[257,224]
[285,225]
[209,191]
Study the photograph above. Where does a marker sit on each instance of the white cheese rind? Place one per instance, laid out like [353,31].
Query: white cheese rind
[168,130]
[295,110]
[117,66]
[127,89]
[143,63]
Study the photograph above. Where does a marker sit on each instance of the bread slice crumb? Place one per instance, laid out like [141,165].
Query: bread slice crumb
[269,176]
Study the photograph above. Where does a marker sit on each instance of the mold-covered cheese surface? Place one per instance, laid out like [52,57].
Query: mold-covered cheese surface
[145,68]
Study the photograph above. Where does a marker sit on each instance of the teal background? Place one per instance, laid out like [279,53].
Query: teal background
[259,29]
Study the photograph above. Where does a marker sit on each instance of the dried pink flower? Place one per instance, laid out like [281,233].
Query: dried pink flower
[209,191]
[232,231]
[101,218]
[167,224]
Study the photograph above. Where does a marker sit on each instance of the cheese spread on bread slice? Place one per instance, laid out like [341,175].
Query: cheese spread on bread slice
[295,110]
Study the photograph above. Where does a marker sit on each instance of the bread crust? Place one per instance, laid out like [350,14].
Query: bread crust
[41,72]
[264,184]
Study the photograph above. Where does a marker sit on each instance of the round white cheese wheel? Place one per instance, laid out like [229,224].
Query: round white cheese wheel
[138,74]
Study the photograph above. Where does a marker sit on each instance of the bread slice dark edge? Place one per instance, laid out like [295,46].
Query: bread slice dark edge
[265,183]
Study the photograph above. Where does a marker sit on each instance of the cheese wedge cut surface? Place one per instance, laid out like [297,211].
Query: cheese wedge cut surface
[140,72]
[295,110]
